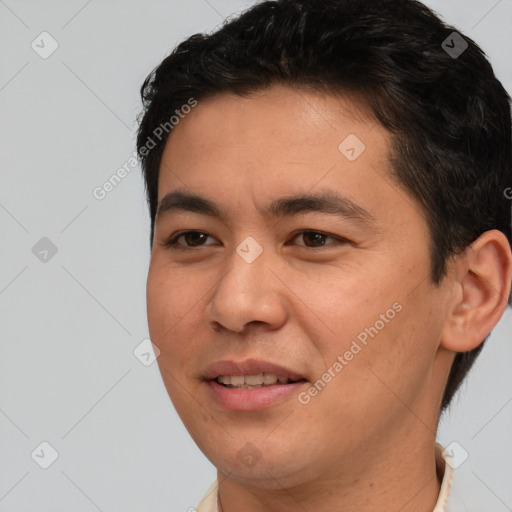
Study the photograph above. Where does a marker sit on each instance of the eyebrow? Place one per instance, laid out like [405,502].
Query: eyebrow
[323,202]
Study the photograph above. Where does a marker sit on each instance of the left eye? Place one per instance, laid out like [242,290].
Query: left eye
[315,238]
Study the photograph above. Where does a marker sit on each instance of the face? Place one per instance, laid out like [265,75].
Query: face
[285,249]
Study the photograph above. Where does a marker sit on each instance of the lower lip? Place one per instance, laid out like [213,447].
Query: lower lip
[254,399]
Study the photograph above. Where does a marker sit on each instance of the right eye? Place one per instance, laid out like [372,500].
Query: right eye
[190,239]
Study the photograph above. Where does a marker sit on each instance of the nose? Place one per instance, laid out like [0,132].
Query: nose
[248,293]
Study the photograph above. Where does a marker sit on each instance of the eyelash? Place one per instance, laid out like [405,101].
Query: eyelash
[172,242]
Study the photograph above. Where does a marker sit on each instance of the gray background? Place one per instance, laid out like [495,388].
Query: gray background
[68,375]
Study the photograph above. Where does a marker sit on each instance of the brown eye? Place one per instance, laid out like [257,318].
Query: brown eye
[190,238]
[194,238]
[315,239]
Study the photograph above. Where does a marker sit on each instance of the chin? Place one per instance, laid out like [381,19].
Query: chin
[270,464]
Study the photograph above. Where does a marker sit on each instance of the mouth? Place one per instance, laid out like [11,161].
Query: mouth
[251,385]
[254,381]
[251,372]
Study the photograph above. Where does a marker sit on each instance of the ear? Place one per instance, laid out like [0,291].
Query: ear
[481,278]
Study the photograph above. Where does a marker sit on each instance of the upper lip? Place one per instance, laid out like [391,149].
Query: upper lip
[248,367]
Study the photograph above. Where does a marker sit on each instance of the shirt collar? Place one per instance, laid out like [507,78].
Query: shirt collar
[444,467]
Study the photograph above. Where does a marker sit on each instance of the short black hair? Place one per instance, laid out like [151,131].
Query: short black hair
[430,86]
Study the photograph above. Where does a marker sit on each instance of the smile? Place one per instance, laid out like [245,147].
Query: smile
[252,381]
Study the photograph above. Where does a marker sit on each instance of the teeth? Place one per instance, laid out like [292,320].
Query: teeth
[237,380]
[269,379]
[250,381]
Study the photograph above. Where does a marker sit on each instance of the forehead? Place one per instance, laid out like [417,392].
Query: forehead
[273,134]
[279,111]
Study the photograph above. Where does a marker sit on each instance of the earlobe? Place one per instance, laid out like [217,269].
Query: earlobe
[482,275]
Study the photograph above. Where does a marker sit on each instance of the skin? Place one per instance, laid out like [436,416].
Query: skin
[366,441]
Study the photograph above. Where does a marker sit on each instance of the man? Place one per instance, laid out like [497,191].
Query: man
[331,247]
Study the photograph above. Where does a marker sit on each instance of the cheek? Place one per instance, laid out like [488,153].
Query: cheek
[373,322]
[339,303]
[393,369]
[169,311]
[171,302]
